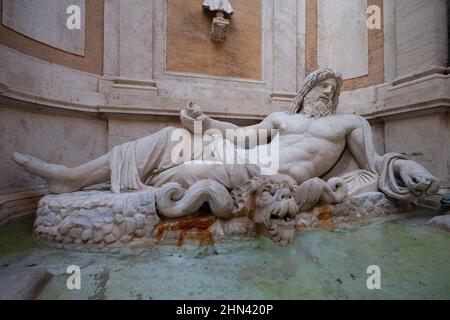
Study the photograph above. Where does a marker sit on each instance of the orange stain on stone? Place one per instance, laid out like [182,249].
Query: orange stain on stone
[195,228]
[325,213]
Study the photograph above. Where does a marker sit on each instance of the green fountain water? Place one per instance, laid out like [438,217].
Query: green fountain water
[414,260]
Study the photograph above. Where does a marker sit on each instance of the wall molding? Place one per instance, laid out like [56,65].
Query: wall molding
[421,74]
[428,95]
[17,203]
[285,97]
[167,109]
[15,99]
[210,77]
[432,107]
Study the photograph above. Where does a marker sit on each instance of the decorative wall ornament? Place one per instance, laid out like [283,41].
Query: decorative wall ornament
[219,23]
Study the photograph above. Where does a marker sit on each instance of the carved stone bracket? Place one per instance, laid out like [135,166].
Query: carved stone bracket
[219,23]
[218,28]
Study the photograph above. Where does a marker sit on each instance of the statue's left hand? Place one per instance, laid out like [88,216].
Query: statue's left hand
[418,179]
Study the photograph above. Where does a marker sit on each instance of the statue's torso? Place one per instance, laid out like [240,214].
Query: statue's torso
[310,147]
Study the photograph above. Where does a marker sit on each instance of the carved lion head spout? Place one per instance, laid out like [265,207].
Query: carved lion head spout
[272,202]
[269,202]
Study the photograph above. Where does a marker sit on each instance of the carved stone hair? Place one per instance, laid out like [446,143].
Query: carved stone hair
[310,82]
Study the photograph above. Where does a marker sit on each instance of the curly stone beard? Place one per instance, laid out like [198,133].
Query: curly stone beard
[315,107]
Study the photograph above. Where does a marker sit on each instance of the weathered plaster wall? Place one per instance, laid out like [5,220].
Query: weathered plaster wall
[448,148]
[59,139]
[421,35]
[189,48]
[123,130]
[91,59]
[423,139]
[345,51]
[45,21]
[34,78]
[332,38]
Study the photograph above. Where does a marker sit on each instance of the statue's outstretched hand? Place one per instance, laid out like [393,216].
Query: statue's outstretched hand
[192,116]
[418,179]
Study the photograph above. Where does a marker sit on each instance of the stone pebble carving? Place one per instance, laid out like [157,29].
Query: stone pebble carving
[96,217]
[324,160]
[351,211]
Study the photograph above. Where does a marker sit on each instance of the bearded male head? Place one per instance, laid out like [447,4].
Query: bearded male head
[319,94]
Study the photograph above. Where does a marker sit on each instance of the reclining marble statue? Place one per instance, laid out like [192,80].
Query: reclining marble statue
[323,158]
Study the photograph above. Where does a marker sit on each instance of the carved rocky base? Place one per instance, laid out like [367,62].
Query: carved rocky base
[107,221]
[96,217]
[355,210]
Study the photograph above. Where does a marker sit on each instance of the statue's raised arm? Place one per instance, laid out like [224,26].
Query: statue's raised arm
[194,120]
[397,176]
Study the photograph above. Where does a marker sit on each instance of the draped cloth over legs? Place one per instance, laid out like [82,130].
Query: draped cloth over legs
[153,161]
[131,162]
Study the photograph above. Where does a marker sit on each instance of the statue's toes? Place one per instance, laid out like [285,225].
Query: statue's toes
[434,185]
[422,183]
[20,158]
[425,182]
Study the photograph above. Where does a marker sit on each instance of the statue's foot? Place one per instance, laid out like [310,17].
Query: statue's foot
[57,176]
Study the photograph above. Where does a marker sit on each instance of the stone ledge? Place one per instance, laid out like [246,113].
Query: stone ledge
[23,284]
[429,94]
[19,202]
[285,97]
[421,74]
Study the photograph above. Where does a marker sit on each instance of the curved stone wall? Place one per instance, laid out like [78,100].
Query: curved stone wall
[48,22]
[39,30]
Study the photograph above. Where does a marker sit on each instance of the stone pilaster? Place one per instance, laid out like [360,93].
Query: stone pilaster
[128,69]
[421,36]
[284,48]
